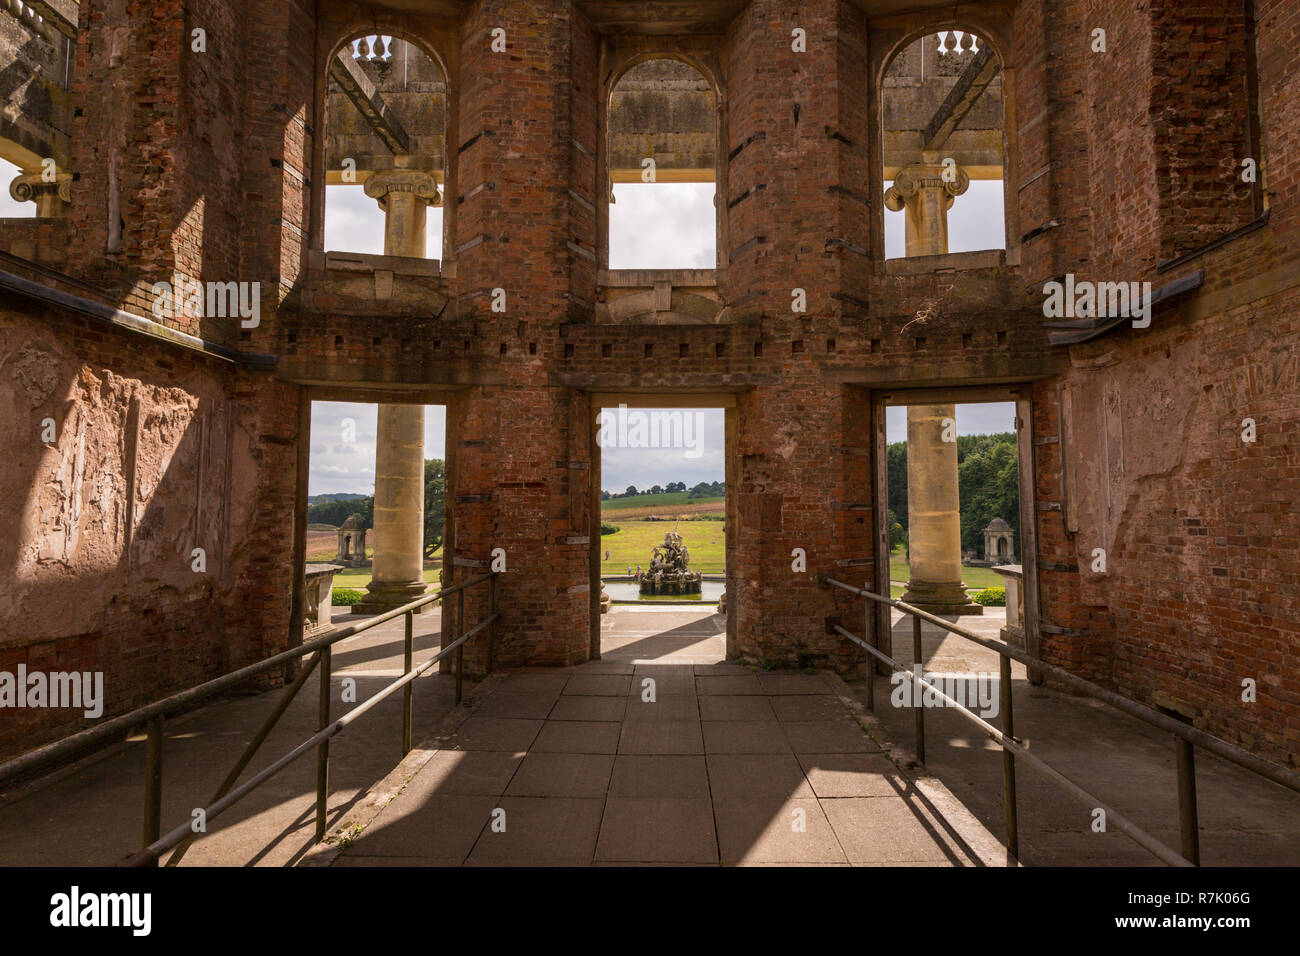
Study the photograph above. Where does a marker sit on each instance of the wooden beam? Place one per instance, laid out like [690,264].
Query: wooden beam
[972,83]
[60,14]
[368,101]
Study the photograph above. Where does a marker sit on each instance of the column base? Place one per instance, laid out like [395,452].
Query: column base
[385,597]
[945,600]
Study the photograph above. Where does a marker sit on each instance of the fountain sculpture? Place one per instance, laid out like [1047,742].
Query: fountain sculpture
[669,569]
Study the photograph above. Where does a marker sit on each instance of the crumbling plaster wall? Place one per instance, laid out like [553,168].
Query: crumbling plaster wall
[148,457]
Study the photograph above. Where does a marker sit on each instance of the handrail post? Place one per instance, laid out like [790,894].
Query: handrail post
[323,748]
[868,628]
[917,703]
[492,628]
[408,693]
[1008,760]
[153,781]
[1187,814]
[460,651]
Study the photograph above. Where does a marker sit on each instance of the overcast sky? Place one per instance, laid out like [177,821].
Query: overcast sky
[653,226]
[343,456]
[11,208]
[661,225]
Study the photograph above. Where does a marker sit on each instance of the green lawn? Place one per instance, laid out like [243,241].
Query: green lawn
[635,540]
[975,579]
[358,578]
[656,501]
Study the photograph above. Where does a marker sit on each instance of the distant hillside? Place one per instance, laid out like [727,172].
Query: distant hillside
[340,496]
[657,501]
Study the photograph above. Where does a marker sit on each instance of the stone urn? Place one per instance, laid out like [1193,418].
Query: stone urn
[722,602]
[604,599]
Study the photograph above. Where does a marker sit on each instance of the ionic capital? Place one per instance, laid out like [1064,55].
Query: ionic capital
[911,180]
[33,187]
[422,185]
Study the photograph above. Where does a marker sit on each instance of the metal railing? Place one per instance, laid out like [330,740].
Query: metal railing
[1186,738]
[152,718]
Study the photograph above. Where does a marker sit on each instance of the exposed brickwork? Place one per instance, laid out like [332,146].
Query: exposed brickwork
[1118,161]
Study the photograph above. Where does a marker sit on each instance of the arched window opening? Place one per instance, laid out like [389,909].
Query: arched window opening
[385,149]
[944,148]
[662,152]
[38,49]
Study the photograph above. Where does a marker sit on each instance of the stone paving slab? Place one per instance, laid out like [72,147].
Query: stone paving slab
[784,776]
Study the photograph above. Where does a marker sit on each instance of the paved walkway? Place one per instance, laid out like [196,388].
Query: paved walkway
[725,765]
[712,771]
[89,813]
[1244,820]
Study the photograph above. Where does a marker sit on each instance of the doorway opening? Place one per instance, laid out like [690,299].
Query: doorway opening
[376,500]
[661,560]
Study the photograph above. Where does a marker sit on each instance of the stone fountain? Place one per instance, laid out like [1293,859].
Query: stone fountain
[670,571]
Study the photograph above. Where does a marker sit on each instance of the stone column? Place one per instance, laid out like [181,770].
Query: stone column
[51,198]
[405,196]
[934,522]
[398,567]
[925,192]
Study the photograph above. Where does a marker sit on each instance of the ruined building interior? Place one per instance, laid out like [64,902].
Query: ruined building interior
[170,310]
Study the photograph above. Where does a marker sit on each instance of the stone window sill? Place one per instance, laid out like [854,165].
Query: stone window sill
[649,278]
[368,262]
[950,262]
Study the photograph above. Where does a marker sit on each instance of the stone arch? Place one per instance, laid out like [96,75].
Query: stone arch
[613,165]
[428,151]
[893,39]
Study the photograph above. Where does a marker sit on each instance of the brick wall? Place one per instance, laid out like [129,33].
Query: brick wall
[1121,158]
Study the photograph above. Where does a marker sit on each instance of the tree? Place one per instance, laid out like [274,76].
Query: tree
[988,482]
[988,485]
[897,534]
[896,456]
[337,512]
[631,491]
[656,490]
[435,495]
[604,495]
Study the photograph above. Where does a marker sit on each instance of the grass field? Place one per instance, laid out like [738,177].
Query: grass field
[358,578]
[975,579]
[635,540]
[659,501]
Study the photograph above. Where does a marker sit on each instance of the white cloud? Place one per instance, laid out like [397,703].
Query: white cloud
[663,226]
[983,418]
[355,223]
[646,467]
[976,221]
[339,466]
[11,208]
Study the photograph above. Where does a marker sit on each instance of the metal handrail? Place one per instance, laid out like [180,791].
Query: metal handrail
[151,715]
[52,753]
[1012,747]
[151,854]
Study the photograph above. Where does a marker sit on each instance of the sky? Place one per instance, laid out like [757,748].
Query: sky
[342,465]
[647,221]
[343,456]
[11,208]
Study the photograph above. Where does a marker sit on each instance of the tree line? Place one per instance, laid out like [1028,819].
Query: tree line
[988,487]
[705,489]
[336,512]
